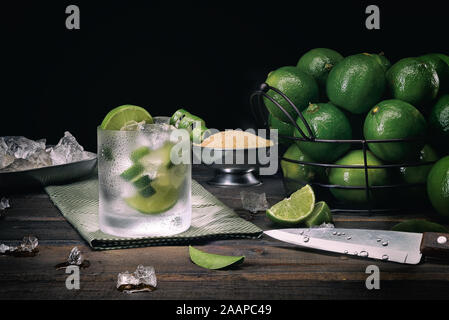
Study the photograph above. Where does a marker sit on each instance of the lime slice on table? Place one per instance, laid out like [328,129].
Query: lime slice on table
[295,209]
[213,261]
[320,214]
[121,116]
[161,200]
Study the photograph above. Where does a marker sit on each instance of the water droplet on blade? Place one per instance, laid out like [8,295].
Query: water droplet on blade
[349,238]
[385,243]
[363,254]
[306,239]
[385,257]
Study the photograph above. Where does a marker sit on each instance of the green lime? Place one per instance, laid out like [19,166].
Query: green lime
[142,182]
[295,209]
[395,119]
[173,175]
[147,191]
[297,85]
[443,57]
[356,83]
[354,177]
[121,116]
[438,186]
[382,60]
[132,172]
[297,175]
[413,81]
[213,261]
[418,174]
[284,128]
[158,200]
[318,63]
[439,124]
[441,68]
[320,214]
[326,122]
[419,226]
[139,153]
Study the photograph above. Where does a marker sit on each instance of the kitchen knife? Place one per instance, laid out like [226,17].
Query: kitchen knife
[402,247]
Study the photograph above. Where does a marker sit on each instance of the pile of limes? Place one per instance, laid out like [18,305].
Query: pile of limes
[364,96]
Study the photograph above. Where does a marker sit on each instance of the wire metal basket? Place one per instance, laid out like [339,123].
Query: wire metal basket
[323,189]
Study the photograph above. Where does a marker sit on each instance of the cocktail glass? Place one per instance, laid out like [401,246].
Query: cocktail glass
[142,191]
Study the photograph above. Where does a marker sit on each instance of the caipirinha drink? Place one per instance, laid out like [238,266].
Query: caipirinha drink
[142,191]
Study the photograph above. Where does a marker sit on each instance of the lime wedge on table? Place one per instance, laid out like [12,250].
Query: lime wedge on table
[121,116]
[320,214]
[161,200]
[213,261]
[295,209]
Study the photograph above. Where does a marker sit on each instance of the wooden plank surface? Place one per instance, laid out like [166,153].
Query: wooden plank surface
[272,269]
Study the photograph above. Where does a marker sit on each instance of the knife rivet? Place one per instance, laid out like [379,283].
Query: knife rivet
[441,240]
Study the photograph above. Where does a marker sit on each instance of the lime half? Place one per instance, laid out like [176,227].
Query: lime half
[121,116]
[320,214]
[295,209]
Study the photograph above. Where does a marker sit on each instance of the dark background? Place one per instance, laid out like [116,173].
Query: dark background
[205,56]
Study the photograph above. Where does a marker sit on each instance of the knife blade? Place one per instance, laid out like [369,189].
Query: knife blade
[402,247]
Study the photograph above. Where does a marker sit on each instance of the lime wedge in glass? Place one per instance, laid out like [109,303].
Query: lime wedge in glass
[160,200]
[121,116]
[320,214]
[293,210]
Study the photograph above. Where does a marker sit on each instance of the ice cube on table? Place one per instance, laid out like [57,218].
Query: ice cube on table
[253,201]
[143,279]
[67,150]
[29,243]
[28,247]
[75,257]
[4,203]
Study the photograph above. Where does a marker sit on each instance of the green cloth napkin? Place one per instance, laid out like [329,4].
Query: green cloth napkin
[211,219]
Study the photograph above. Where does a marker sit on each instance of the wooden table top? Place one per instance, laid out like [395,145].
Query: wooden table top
[272,269]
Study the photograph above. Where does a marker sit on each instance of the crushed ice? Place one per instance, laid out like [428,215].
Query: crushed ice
[143,279]
[253,201]
[19,153]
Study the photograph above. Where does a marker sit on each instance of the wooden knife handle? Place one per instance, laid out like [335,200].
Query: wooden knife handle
[435,244]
